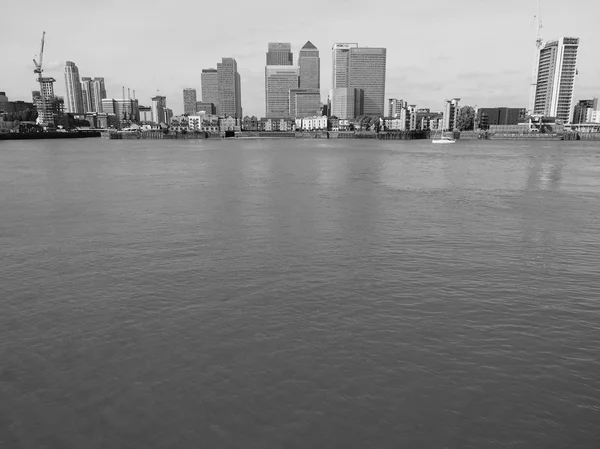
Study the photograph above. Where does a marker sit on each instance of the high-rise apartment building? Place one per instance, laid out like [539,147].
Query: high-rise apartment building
[279,80]
[210,87]
[189,100]
[556,71]
[159,104]
[93,92]
[74,98]
[451,114]
[309,67]
[280,53]
[230,89]
[366,71]
[396,107]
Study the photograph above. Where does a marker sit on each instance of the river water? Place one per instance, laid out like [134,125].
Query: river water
[299,294]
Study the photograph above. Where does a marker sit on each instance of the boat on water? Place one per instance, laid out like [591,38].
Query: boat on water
[442,138]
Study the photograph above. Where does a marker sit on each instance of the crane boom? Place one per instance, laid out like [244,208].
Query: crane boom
[538,44]
[38,66]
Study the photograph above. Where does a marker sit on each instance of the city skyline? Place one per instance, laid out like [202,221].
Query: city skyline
[437,69]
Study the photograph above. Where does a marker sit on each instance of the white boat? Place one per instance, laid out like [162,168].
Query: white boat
[442,139]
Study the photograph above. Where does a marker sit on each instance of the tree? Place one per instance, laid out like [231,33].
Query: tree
[465,119]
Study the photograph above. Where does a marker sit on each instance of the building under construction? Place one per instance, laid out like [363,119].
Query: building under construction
[49,106]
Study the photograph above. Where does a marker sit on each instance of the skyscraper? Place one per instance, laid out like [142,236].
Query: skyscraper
[86,94]
[230,94]
[366,71]
[189,100]
[280,53]
[309,67]
[98,93]
[73,86]
[279,80]
[210,87]
[341,56]
[305,102]
[556,71]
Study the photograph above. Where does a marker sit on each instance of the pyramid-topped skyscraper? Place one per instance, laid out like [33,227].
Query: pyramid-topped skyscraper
[310,67]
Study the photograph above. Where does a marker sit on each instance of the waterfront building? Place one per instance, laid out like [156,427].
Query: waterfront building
[425,119]
[284,124]
[210,87]
[451,114]
[230,90]
[250,123]
[313,123]
[411,117]
[93,92]
[309,67]
[396,107]
[189,100]
[230,124]
[279,80]
[73,87]
[49,106]
[209,108]
[556,72]
[346,102]
[487,117]
[304,102]
[204,122]
[280,53]
[159,104]
[581,109]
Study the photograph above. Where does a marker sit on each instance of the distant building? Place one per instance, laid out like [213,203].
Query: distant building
[74,100]
[425,119]
[396,107]
[210,87]
[250,123]
[309,67]
[168,115]
[230,89]
[209,108]
[145,114]
[93,92]
[312,123]
[230,124]
[13,106]
[487,117]
[189,100]
[279,80]
[411,117]
[451,114]
[280,53]
[346,102]
[304,102]
[556,72]
[126,110]
[367,67]
[283,124]
[341,61]
[159,104]
[581,110]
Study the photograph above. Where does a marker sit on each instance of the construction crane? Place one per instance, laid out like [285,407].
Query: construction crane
[538,45]
[38,66]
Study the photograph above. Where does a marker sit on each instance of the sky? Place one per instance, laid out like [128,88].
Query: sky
[477,50]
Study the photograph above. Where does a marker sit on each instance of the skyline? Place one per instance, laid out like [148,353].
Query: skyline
[487,62]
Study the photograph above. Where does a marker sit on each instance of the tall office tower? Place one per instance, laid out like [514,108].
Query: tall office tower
[581,110]
[210,87]
[73,85]
[450,114]
[280,53]
[279,80]
[366,71]
[189,100]
[309,67]
[340,63]
[305,102]
[86,94]
[98,93]
[556,71]
[159,104]
[396,107]
[230,89]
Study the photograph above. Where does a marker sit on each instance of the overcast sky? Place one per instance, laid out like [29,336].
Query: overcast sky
[478,50]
